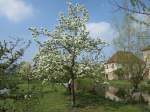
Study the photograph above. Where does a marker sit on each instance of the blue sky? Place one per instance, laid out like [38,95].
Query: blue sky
[16,16]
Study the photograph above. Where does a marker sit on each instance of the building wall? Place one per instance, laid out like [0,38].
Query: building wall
[146,56]
[109,69]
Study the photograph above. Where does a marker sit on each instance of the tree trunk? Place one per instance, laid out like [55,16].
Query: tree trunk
[72,73]
[135,87]
[73,93]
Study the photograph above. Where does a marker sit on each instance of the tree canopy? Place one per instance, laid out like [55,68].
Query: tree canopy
[67,47]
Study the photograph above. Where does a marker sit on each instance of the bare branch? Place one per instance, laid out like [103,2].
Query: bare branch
[131,10]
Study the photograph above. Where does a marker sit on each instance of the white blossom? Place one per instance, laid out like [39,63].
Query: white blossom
[68,41]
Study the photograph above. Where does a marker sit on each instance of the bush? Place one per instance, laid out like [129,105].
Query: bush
[148,82]
[121,93]
[85,85]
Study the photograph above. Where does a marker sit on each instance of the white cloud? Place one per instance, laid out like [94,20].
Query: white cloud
[103,30]
[15,10]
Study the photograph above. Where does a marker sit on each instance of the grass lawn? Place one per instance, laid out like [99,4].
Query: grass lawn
[59,101]
[144,86]
[120,83]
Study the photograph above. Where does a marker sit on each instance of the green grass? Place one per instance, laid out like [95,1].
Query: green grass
[94,103]
[145,86]
[125,108]
[54,102]
[59,101]
[120,83]
[126,84]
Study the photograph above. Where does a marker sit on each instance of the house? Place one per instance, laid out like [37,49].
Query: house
[146,54]
[146,57]
[115,62]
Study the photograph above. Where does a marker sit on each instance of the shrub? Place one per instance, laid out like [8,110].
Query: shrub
[148,82]
[85,85]
[121,93]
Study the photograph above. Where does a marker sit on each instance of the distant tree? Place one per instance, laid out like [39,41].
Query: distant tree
[25,70]
[120,73]
[139,7]
[127,40]
[64,51]
[97,73]
[10,53]
[137,71]
[133,69]
[128,37]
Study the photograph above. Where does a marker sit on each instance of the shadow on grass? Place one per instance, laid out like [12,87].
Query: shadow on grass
[92,100]
[84,99]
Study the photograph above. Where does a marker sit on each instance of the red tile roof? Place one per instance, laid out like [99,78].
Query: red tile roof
[146,48]
[124,57]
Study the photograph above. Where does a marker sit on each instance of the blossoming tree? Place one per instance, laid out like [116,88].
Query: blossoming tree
[67,48]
